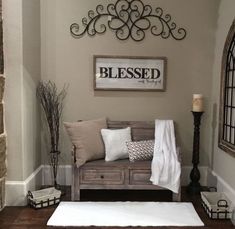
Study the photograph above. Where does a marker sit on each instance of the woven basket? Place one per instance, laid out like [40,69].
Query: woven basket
[217,205]
[44,197]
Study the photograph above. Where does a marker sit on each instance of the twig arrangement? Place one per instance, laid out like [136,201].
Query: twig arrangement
[52,104]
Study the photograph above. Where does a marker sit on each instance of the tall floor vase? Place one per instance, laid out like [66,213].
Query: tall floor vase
[54,158]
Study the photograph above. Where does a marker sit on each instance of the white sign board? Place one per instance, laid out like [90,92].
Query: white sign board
[129,73]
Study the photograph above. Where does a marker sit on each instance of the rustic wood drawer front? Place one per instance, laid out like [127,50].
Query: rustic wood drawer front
[102,176]
[140,176]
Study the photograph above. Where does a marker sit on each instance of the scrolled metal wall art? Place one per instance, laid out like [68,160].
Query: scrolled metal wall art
[129,19]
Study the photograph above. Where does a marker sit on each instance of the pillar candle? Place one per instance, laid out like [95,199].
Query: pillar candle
[197,102]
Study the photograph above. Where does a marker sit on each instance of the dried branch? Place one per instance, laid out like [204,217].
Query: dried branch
[52,104]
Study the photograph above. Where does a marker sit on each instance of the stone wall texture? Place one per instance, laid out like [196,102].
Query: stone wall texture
[1,41]
[2,192]
[2,132]
[2,155]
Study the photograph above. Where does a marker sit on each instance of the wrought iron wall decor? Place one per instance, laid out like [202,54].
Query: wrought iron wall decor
[129,19]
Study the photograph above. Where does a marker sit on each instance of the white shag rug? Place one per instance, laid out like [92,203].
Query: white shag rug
[123,214]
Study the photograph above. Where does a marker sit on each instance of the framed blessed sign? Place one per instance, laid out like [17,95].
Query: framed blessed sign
[129,73]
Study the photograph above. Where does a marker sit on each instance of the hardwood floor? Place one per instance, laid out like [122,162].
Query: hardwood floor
[29,218]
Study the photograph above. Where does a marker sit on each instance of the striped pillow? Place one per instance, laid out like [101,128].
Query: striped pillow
[140,150]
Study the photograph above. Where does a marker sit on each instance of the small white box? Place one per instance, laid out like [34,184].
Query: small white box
[44,197]
[217,205]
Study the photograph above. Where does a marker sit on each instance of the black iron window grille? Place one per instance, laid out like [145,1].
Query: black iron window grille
[227,109]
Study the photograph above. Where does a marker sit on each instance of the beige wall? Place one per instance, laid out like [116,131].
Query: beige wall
[12,13]
[189,70]
[222,163]
[31,76]
[194,66]
[22,70]
[69,60]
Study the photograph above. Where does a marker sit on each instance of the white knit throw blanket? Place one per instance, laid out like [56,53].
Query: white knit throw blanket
[165,166]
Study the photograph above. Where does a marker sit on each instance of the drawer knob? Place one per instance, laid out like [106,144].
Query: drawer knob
[102,176]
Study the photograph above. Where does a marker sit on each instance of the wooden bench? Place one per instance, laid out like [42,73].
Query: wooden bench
[120,174]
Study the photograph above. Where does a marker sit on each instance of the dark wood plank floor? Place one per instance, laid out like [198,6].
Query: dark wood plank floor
[28,218]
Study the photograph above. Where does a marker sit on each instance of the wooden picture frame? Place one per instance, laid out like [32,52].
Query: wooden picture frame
[122,73]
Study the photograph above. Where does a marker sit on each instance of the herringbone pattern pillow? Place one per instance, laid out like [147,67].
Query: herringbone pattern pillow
[140,150]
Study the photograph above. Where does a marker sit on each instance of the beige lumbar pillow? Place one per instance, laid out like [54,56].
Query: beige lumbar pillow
[86,137]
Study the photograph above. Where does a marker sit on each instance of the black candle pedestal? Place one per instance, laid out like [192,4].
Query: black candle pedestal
[194,187]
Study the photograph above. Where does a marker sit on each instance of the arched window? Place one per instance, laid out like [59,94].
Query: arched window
[227,96]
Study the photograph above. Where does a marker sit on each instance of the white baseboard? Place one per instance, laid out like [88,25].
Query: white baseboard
[223,186]
[16,191]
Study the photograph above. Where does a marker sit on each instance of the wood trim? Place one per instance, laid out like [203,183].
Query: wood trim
[140,130]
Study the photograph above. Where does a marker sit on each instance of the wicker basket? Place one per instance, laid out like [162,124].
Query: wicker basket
[44,197]
[217,205]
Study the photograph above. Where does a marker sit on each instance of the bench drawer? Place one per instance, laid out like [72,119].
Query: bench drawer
[140,176]
[101,176]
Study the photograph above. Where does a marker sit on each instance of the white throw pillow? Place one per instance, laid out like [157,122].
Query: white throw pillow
[115,143]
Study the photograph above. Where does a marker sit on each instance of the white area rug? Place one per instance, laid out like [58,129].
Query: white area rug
[124,214]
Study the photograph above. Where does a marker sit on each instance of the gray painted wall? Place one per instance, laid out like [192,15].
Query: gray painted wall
[22,70]
[189,69]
